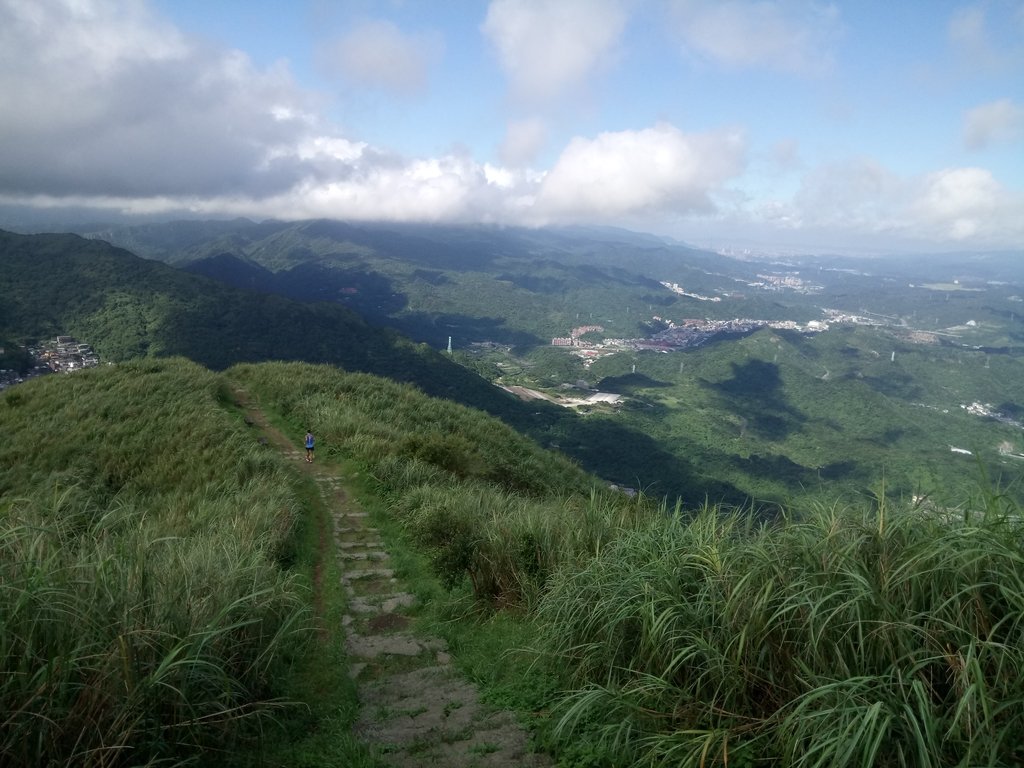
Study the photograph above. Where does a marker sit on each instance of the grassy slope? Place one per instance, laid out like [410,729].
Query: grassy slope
[851,634]
[157,526]
[670,639]
[148,610]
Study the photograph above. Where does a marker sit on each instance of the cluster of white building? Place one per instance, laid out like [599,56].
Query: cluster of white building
[64,354]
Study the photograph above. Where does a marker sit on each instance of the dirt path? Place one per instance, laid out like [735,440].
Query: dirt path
[416,709]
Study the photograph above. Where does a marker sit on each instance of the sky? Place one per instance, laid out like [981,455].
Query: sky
[771,125]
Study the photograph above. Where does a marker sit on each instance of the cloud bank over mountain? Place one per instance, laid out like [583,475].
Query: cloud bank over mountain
[118,106]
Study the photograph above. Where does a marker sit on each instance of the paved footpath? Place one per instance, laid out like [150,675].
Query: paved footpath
[416,709]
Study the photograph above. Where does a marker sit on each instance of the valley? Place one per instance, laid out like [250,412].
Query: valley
[768,379]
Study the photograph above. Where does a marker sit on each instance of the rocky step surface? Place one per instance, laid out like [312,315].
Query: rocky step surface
[415,706]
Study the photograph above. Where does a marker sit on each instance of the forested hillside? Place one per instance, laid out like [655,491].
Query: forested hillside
[130,307]
[127,307]
[506,285]
[521,286]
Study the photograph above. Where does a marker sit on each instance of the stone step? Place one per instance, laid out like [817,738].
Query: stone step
[369,573]
[343,544]
[382,603]
[398,644]
[364,556]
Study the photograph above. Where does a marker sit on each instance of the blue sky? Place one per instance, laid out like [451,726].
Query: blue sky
[773,125]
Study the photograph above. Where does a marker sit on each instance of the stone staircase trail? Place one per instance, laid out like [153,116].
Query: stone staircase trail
[416,709]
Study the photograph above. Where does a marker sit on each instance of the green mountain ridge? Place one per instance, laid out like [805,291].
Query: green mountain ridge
[511,285]
[128,307]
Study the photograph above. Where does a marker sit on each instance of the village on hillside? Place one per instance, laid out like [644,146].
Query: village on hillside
[63,354]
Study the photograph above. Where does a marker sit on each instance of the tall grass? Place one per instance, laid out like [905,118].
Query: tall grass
[146,616]
[487,504]
[508,545]
[369,419]
[849,638]
[839,636]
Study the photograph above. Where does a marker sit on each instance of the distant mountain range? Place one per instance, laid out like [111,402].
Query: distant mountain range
[475,283]
[524,286]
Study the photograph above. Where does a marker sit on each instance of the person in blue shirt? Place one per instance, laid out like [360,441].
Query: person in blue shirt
[309,445]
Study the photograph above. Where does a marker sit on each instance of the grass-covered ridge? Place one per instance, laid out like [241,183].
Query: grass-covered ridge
[146,608]
[852,634]
[485,502]
[138,507]
[834,636]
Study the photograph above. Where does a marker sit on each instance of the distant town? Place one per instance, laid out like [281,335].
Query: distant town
[684,334]
[673,336]
[63,354]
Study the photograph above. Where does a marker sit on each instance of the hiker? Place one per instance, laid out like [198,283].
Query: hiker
[309,445]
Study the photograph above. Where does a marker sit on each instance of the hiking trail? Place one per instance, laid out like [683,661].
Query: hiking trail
[416,710]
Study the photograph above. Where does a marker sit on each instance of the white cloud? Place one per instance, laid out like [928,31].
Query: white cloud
[785,154]
[523,140]
[104,104]
[104,98]
[961,203]
[861,197]
[378,54]
[655,170]
[857,194]
[547,48]
[786,35]
[994,123]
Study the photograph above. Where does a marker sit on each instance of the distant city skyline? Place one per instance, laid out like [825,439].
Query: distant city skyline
[773,124]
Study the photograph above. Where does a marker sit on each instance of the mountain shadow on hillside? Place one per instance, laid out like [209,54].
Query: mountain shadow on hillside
[431,276]
[369,293]
[435,329]
[783,469]
[897,385]
[630,458]
[534,283]
[756,394]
